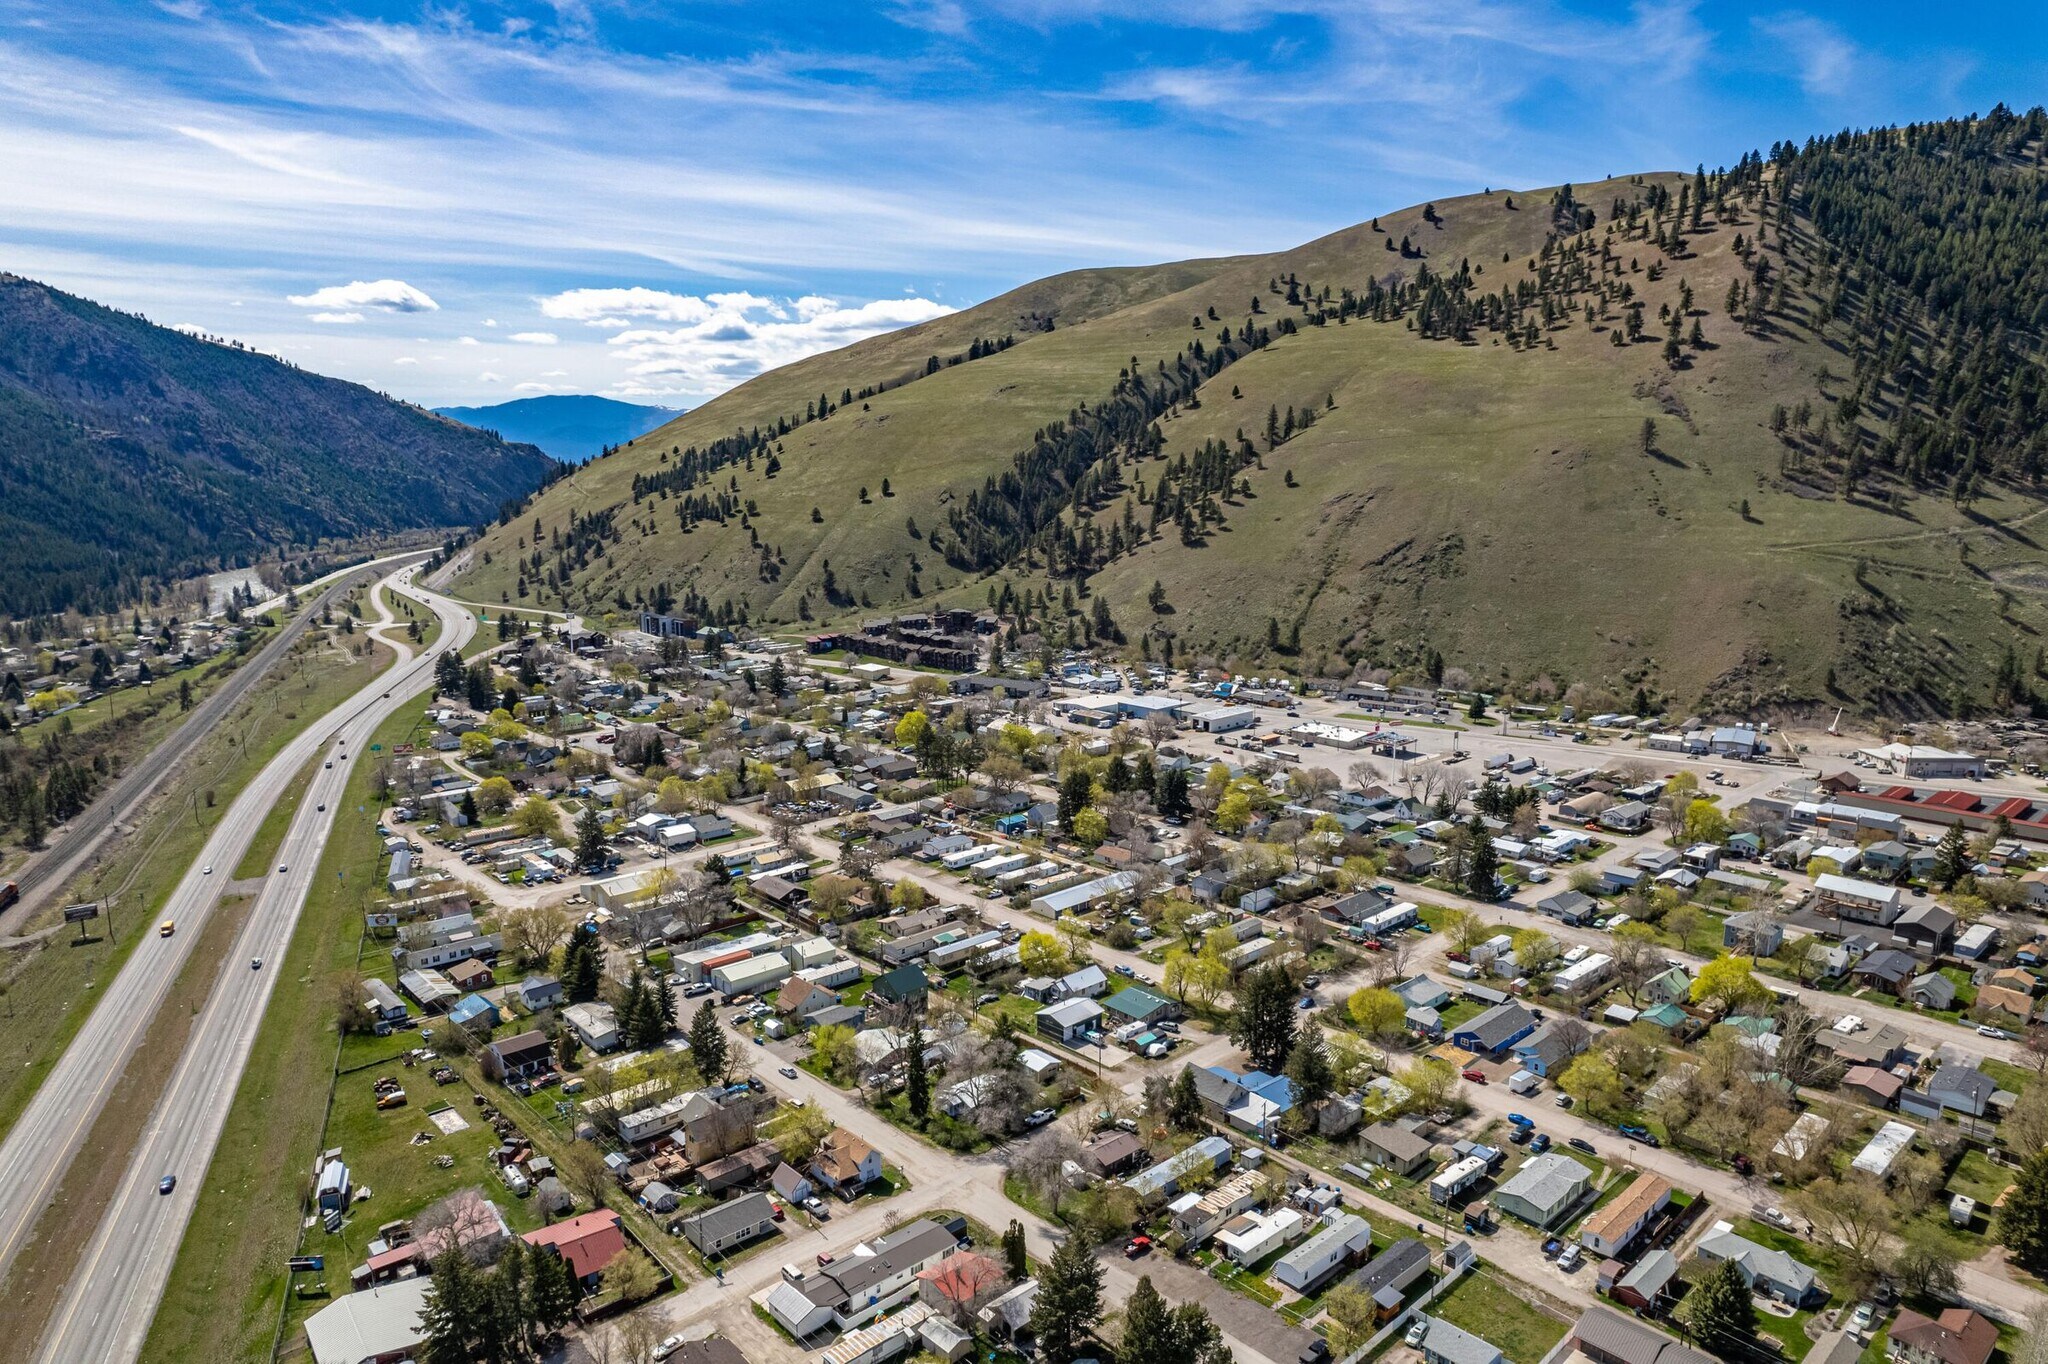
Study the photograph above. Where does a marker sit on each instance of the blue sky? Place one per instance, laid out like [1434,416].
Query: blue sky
[474,202]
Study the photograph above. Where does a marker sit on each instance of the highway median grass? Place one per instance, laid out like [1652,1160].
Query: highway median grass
[56,984]
[229,1283]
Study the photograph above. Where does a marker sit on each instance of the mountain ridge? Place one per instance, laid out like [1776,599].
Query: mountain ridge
[1662,433]
[570,427]
[136,454]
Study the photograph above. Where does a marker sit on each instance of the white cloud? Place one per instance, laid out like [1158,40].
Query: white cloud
[489,378]
[554,374]
[726,338]
[406,360]
[467,341]
[531,387]
[335,319]
[535,338]
[384,295]
[490,322]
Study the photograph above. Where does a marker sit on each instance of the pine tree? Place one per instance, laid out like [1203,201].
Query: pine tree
[451,1317]
[589,837]
[917,1082]
[1308,1067]
[2023,1221]
[1264,1022]
[1718,1312]
[707,1044]
[1069,1301]
[1482,863]
[1077,790]
[1184,1104]
[1952,857]
[1015,1256]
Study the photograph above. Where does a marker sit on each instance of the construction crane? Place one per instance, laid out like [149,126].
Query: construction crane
[1835,729]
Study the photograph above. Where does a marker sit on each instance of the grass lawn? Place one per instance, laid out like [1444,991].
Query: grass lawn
[2007,1075]
[1789,1332]
[56,984]
[1022,1012]
[1980,1178]
[1496,1313]
[1459,1012]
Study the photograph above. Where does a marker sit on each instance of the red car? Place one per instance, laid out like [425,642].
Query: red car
[1138,1246]
[1457,956]
[1371,944]
[1477,1077]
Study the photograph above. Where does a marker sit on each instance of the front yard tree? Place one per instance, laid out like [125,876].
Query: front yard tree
[917,1072]
[1077,789]
[2023,1221]
[1726,983]
[1172,797]
[589,837]
[1264,1022]
[1184,1107]
[707,1044]
[1718,1312]
[1482,863]
[1309,1069]
[1378,1011]
[1015,1256]
[1069,1301]
[1952,857]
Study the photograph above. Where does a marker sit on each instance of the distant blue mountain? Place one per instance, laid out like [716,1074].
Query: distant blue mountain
[571,427]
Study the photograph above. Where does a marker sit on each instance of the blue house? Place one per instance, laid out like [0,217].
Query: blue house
[474,1011]
[1493,1032]
[1252,1102]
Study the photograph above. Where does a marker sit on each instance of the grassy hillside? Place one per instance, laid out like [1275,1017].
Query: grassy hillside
[133,454]
[1835,504]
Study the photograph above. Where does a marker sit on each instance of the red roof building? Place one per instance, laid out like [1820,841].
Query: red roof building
[587,1242]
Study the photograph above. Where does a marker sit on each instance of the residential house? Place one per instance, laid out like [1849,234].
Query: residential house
[1952,1089]
[1549,1049]
[962,1284]
[1569,907]
[798,1000]
[1610,1231]
[1163,1179]
[1931,990]
[538,992]
[1389,1276]
[587,1242]
[1070,1021]
[1752,932]
[1857,901]
[2010,991]
[1645,1284]
[597,1025]
[1883,1046]
[1769,1273]
[1606,1337]
[1342,1240]
[845,1164]
[1878,1088]
[861,1284]
[1008,1318]
[1887,969]
[904,987]
[789,1183]
[1089,982]
[743,1167]
[1420,992]
[1252,1102]
[1135,1004]
[1443,1343]
[1544,1190]
[1491,1034]
[1250,1237]
[1113,1153]
[1629,817]
[1395,1147]
[1926,927]
[517,1057]
[718,1230]
[1960,1335]
[375,1326]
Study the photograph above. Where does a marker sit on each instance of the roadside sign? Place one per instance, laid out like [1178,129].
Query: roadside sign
[78,914]
[306,1264]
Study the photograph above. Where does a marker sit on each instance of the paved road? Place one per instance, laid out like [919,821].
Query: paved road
[113,1293]
[72,849]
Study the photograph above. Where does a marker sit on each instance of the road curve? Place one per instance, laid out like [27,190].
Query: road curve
[69,851]
[113,1293]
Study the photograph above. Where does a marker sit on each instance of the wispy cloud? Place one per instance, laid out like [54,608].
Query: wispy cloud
[384,295]
[1826,60]
[535,338]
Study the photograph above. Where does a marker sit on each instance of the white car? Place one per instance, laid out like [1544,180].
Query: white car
[1416,1332]
[1997,1034]
[668,1346]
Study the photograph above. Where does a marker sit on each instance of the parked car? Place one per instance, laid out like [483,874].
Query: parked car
[815,1206]
[1521,1135]
[1317,1351]
[1138,1246]
[1039,1117]
[1416,1332]
[1569,1261]
[1123,971]
[1477,1077]
[1581,1144]
[1998,1034]
[787,1072]
[1564,1101]
[1641,1134]
[668,1346]
[1539,1144]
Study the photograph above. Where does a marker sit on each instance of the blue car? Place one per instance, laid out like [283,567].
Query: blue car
[166,1184]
